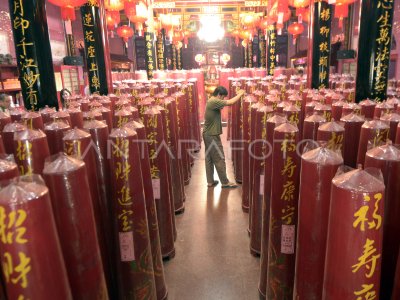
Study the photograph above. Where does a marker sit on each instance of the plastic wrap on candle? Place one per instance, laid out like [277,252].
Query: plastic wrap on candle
[383,108]
[8,169]
[373,133]
[387,159]
[33,246]
[159,175]
[4,120]
[367,108]
[129,217]
[55,132]
[76,116]
[283,213]
[318,167]
[337,109]
[68,185]
[349,108]
[121,117]
[355,218]
[310,126]
[60,116]
[16,114]
[392,119]
[151,210]
[8,135]
[324,110]
[333,134]
[30,151]
[46,114]
[84,105]
[92,115]
[33,120]
[352,128]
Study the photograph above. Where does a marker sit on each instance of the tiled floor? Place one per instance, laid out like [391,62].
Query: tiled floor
[212,259]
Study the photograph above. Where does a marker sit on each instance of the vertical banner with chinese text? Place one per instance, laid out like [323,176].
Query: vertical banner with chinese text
[263,53]
[246,61]
[94,52]
[179,58]
[323,14]
[174,60]
[271,50]
[250,54]
[374,49]
[150,54]
[32,48]
[160,50]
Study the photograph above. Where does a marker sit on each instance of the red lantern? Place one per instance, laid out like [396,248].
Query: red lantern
[68,3]
[68,13]
[125,32]
[113,18]
[115,5]
[299,3]
[296,29]
[130,9]
[341,11]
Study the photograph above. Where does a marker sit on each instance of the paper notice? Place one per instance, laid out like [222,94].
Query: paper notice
[262,185]
[126,246]
[288,239]
[156,188]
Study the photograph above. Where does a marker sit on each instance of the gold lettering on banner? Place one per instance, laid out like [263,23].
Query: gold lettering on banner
[89,36]
[325,14]
[88,20]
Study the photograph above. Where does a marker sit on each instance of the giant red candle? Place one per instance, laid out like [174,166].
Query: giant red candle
[352,128]
[310,126]
[318,167]
[8,169]
[55,132]
[283,213]
[33,264]
[33,120]
[337,109]
[387,159]
[8,135]
[76,117]
[46,113]
[60,115]
[151,210]
[30,151]
[135,273]
[121,117]
[355,219]
[393,119]
[333,134]
[4,120]
[367,108]
[383,108]
[66,178]
[373,133]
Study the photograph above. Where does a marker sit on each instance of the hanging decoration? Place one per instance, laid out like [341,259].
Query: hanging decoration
[341,11]
[68,13]
[140,17]
[113,18]
[295,29]
[115,5]
[125,32]
[199,58]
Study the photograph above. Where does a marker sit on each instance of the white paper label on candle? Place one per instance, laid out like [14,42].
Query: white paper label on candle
[156,188]
[288,239]
[126,246]
[261,184]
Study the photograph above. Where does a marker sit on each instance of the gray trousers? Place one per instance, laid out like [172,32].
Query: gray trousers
[214,157]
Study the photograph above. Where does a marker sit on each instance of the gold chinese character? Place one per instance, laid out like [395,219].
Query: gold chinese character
[126,221]
[361,214]
[288,191]
[325,14]
[95,82]
[23,45]
[12,230]
[125,198]
[30,78]
[367,259]
[21,22]
[89,36]
[367,292]
[87,20]
[24,150]
[91,51]
[384,4]
[323,47]
[384,37]
[122,170]
[73,148]
[18,6]
[121,148]
[288,145]
[322,75]
[27,63]
[288,168]
[93,67]
[323,61]
[324,30]
[288,214]
[19,271]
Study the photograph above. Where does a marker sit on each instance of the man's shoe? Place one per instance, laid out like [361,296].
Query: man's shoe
[213,184]
[229,185]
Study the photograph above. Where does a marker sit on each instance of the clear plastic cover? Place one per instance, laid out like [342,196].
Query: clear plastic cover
[123,132]
[352,117]
[75,134]
[7,163]
[93,124]
[359,180]
[22,189]
[375,124]
[388,152]
[323,155]
[13,127]
[61,163]
[56,125]
[287,127]
[331,126]
[315,118]
[390,117]
[367,102]
[29,134]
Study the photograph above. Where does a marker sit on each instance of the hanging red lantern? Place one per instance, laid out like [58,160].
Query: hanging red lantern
[341,11]
[113,18]
[299,3]
[125,32]
[68,13]
[306,15]
[130,9]
[296,29]
[140,17]
[68,3]
[244,43]
[115,5]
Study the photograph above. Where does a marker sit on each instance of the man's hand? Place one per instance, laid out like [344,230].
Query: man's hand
[240,93]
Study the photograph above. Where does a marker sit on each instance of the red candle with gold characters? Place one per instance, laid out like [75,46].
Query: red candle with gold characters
[30,151]
[283,213]
[60,115]
[349,108]
[310,126]
[355,218]
[387,159]
[333,134]
[367,108]
[135,273]
[121,117]
[92,115]
[76,117]
[383,108]
[68,185]
[393,119]
[46,113]
[373,133]
[33,120]
[318,167]
[151,210]
[32,260]
[16,114]
[55,132]
[265,190]
[106,116]
[8,135]
[159,175]
[352,128]
[337,109]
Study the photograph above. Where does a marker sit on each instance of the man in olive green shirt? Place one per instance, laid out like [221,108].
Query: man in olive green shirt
[211,135]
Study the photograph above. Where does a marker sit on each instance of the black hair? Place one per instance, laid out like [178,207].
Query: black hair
[220,91]
[62,96]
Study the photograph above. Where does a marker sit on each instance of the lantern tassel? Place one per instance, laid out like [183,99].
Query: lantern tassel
[340,23]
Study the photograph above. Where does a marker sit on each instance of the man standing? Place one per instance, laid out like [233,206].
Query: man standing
[211,135]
